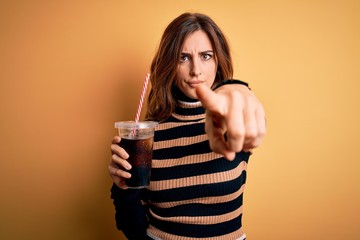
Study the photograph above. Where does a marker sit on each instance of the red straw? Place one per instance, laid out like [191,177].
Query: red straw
[142,97]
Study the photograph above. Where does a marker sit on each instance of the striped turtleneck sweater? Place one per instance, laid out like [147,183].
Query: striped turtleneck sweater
[194,193]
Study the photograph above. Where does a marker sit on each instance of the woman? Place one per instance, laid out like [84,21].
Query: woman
[200,156]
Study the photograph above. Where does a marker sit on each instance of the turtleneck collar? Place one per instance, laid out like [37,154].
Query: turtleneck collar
[187,109]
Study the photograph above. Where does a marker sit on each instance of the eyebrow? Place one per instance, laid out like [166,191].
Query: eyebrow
[206,51]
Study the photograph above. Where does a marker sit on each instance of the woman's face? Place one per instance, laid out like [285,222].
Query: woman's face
[197,64]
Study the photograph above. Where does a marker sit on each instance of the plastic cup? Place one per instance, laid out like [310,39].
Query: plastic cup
[137,138]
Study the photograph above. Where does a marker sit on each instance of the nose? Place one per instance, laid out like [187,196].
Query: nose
[195,70]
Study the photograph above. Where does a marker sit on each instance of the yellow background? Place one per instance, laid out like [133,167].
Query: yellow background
[70,69]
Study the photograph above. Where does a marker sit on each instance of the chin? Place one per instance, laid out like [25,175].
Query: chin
[191,94]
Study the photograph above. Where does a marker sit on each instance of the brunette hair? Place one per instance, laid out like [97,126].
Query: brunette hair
[161,101]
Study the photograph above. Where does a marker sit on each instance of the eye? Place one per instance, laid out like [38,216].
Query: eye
[184,58]
[206,56]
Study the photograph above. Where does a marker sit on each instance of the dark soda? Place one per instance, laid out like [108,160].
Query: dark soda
[140,156]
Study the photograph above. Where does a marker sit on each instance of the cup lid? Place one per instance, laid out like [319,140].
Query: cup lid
[133,124]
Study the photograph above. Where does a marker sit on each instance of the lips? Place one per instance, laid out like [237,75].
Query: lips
[194,82]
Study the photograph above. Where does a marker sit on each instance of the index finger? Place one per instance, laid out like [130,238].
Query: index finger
[209,99]
[116,140]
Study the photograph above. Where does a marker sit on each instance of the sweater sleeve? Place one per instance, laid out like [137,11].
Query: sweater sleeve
[130,213]
[231,81]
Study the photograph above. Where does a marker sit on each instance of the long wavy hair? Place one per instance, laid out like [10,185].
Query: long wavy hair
[161,100]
